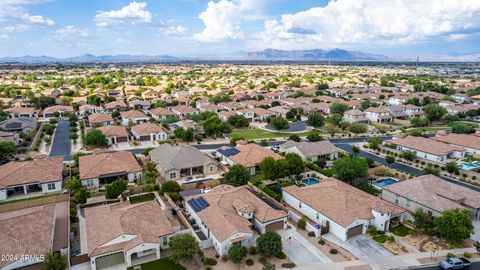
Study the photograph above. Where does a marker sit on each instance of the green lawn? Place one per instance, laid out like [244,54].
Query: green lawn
[380,238]
[31,198]
[162,264]
[400,230]
[142,198]
[252,134]
[423,129]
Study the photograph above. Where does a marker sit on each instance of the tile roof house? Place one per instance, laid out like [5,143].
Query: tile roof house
[311,151]
[100,169]
[149,132]
[429,149]
[471,143]
[355,116]
[25,125]
[29,234]
[226,215]
[345,210]
[115,134]
[133,117]
[183,110]
[248,155]
[17,112]
[62,110]
[35,176]
[161,114]
[100,119]
[118,234]
[176,162]
[378,115]
[432,194]
[115,106]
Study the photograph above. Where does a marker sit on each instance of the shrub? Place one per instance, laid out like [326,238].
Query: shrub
[209,261]
[281,256]
[302,223]
[148,188]
[252,251]
[467,255]
[450,255]
[288,265]
[249,262]
[333,251]
[321,242]
[262,260]
[311,234]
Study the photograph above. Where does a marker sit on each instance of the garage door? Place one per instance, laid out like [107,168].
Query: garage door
[274,226]
[121,139]
[110,260]
[357,230]
[145,138]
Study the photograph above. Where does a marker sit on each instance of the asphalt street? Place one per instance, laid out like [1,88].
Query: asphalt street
[474,266]
[61,143]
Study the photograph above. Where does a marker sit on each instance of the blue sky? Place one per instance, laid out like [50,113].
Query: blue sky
[65,28]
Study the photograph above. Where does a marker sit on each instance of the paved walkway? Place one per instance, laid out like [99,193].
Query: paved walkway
[300,250]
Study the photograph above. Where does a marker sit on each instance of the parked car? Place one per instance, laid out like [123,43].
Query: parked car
[455,263]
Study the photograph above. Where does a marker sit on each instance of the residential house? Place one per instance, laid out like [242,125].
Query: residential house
[378,115]
[262,114]
[140,104]
[99,169]
[462,108]
[412,110]
[133,117]
[62,110]
[100,119]
[397,112]
[227,215]
[355,116]
[311,151]
[115,106]
[10,136]
[25,125]
[461,98]
[428,149]
[179,162]
[471,143]
[183,110]
[432,194]
[248,155]
[21,112]
[115,134]
[89,109]
[27,237]
[342,209]
[224,115]
[149,132]
[161,114]
[39,176]
[123,234]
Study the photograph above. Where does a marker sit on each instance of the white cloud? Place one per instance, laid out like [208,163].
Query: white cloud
[223,19]
[175,31]
[15,28]
[346,22]
[37,19]
[133,13]
[5,37]
[72,31]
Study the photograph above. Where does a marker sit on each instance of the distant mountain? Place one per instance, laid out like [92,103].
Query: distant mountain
[316,54]
[88,58]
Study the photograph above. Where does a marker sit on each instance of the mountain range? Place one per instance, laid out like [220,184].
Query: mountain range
[267,54]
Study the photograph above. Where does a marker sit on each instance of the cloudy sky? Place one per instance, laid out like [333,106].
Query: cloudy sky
[64,28]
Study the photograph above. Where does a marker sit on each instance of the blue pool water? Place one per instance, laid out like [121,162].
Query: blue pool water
[384,182]
[310,181]
[470,165]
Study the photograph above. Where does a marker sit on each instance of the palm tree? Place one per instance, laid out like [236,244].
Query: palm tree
[54,261]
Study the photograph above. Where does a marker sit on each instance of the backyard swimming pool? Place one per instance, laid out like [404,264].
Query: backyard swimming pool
[310,181]
[384,182]
[470,165]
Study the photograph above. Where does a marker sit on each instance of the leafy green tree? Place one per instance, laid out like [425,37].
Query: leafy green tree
[7,149]
[321,86]
[77,156]
[170,186]
[455,225]
[419,122]
[335,119]
[295,164]
[74,185]
[295,138]
[316,120]
[358,128]
[238,175]
[93,100]
[238,121]
[269,244]
[214,127]
[431,170]
[54,261]
[268,168]
[390,159]
[43,102]
[408,155]
[314,136]
[434,112]
[332,129]
[423,221]
[350,168]
[355,149]
[96,138]
[81,195]
[452,167]
[449,118]
[338,108]
[184,246]
[186,135]
[279,123]
[115,114]
[375,142]
[115,188]
[236,253]
[462,128]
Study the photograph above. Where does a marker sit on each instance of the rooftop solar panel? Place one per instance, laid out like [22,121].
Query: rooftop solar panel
[202,202]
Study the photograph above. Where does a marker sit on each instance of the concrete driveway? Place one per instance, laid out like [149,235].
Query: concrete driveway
[367,247]
[300,250]
[476,231]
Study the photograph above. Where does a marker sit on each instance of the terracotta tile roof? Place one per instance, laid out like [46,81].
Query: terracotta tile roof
[30,234]
[252,154]
[20,110]
[311,149]
[57,108]
[161,111]
[221,215]
[354,112]
[139,223]
[99,118]
[341,202]
[94,166]
[436,193]
[147,129]
[464,140]
[426,145]
[115,105]
[117,131]
[132,114]
[169,157]
[376,110]
[33,171]
[184,109]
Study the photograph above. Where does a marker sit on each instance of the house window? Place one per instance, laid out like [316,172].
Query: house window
[408,202]
[89,183]
[165,241]
[318,215]
[396,198]
[211,168]
[173,175]
[51,186]
[299,204]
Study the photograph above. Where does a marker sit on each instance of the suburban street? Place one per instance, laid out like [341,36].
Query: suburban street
[474,266]
[61,143]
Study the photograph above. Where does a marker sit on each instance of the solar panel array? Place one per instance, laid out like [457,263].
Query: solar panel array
[198,204]
[229,151]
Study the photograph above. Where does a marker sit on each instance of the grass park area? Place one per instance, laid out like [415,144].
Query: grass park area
[252,134]
[163,264]
[142,198]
